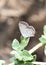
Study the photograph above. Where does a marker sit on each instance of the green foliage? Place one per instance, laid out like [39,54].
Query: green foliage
[24,42]
[43,37]
[20,46]
[15,44]
[23,63]
[21,56]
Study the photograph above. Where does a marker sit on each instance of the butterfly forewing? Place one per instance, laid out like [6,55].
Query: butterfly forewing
[26,30]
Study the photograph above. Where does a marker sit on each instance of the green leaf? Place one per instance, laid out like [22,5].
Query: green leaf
[34,57]
[44,31]
[15,44]
[17,62]
[28,63]
[18,55]
[23,43]
[43,37]
[26,56]
[42,40]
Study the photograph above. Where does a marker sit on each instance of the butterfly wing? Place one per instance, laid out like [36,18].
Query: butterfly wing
[26,30]
[22,28]
[30,31]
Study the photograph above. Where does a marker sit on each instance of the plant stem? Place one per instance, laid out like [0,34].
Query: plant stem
[35,48]
[39,63]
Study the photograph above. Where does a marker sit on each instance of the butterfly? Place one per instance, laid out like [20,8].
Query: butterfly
[26,30]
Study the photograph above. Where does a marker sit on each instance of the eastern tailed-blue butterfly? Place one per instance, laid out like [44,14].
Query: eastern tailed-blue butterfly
[26,30]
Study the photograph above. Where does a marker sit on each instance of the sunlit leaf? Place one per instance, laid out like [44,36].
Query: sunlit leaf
[42,40]
[15,44]
[26,56]
[18,55]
